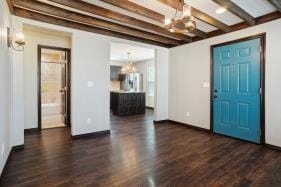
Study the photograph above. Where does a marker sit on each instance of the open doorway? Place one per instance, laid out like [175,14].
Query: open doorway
[53,87]
[132,81]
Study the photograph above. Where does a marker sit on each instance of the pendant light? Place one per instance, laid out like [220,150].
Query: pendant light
[129,68]
[185,24]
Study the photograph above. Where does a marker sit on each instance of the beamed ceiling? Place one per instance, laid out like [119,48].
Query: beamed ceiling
[142,20]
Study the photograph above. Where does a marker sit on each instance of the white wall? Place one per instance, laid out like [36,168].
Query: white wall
[90,62]
[35,37]
[190,67]
[5,87]
[142,67]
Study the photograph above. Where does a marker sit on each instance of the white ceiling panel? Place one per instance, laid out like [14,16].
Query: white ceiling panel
[256,8]
[209,7]
[119,52]
[204,26]
[120,10]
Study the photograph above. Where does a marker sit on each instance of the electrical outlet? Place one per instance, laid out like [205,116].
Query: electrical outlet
[3,149]
[90,84]
[206,85]
[187,114]
[89,121]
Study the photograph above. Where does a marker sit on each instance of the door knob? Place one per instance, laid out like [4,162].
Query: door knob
[215,96]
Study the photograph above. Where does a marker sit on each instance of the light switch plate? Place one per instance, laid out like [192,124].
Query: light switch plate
[206,85]
[90,84]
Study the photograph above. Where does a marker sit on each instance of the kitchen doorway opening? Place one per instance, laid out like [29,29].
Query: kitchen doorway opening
[53,87]
[132,80]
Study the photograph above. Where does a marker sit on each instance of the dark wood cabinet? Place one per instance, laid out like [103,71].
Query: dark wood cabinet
[127,103]
[114,72]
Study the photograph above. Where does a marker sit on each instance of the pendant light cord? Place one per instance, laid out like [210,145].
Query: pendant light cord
[179,2]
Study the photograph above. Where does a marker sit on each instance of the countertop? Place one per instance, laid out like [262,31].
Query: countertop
[123,91]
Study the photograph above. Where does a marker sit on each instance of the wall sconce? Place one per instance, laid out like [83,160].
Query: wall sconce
[15,40]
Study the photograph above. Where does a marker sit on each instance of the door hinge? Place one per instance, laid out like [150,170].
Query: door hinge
[260,49]
[260,91]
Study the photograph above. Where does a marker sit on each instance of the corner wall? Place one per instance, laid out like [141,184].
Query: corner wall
[5,87]
[190,67]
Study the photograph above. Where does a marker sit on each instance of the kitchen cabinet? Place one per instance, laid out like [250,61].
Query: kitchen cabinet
[125,103]
[114,72]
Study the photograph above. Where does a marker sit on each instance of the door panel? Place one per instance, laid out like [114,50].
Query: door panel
[236,102]
[54,88]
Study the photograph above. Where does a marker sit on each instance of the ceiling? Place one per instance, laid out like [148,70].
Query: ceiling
[119,52]
[142,20]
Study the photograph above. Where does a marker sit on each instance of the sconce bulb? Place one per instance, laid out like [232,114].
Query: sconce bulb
[19,36]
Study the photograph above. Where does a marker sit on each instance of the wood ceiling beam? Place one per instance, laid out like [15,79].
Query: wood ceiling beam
[74,25]
[80,26]
[135,8]
[199,15]
[10,5]
[89,20]
[276,4]
[236,10]
[93,9]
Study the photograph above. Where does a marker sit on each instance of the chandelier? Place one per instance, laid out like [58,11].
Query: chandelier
[185,24]
[129,68]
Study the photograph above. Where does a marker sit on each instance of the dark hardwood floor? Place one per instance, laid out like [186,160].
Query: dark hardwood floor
[139,153]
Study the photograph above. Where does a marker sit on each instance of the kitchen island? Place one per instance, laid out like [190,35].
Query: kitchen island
[124,103]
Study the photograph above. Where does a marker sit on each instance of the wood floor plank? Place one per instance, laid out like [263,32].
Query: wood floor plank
[140,153]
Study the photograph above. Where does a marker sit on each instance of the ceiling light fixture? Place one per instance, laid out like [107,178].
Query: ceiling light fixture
[220,10]
[129,68]
[185,24]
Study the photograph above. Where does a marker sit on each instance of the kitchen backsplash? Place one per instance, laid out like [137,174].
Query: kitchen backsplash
[114,85]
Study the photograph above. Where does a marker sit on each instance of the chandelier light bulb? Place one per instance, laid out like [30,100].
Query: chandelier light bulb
[191,25]
[168,21]
[186,10]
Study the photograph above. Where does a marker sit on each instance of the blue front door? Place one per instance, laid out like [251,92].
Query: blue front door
[236,90]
